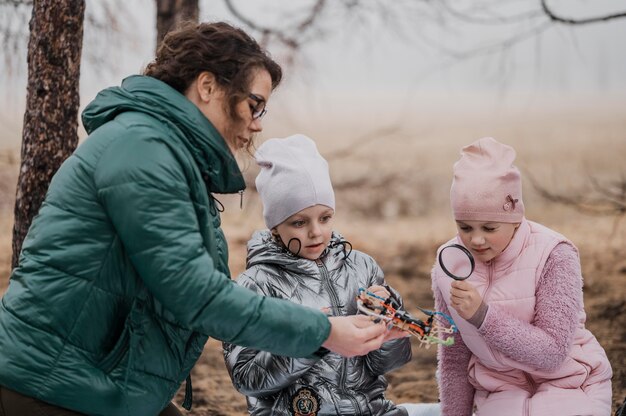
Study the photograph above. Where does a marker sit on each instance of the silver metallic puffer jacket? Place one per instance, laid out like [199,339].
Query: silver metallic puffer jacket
[327,385]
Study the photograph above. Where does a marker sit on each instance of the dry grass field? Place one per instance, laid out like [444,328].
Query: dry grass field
[392,203]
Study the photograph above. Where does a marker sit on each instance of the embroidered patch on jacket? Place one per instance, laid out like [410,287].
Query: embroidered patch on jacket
[305,402]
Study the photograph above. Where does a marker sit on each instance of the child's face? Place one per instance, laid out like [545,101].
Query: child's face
[312,227]
[486,240]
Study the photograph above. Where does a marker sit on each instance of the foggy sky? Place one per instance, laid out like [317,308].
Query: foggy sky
[364,71]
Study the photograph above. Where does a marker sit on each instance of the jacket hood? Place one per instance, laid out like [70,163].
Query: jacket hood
[263,249]
[148,95]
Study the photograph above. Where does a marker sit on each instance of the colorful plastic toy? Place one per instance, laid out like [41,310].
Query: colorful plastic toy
[437,329]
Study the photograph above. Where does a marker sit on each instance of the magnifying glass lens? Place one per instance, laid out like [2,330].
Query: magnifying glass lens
[456,261]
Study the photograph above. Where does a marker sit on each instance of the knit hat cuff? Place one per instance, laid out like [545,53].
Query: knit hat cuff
[513,217]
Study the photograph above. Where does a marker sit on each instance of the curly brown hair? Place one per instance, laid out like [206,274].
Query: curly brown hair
[227,52]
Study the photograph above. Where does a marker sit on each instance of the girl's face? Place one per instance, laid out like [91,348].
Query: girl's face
[213,103]
[486,240]
[312,227]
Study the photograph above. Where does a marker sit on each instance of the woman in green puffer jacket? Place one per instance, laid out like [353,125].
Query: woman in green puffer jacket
[123,274]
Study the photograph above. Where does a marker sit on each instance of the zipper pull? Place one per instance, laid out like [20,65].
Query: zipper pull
[241,199]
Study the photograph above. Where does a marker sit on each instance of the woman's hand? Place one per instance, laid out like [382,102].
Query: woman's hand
[464,298]
[354,335]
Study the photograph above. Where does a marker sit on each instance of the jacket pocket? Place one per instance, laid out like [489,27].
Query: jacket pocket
[113,358]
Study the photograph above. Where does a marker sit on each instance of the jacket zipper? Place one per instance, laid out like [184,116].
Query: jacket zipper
[490,269]
[334,299]
[342,386]
[334,305]
[531,383]
[525,411]
[355,403]
[115,356]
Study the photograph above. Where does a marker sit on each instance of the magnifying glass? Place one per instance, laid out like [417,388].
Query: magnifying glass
[456,261]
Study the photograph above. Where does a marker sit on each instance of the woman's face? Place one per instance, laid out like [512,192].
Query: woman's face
[213,103]
[486,240]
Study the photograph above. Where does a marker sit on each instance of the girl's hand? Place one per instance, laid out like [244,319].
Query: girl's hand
[379,291]
[464,298]
[395,333]
[392,332]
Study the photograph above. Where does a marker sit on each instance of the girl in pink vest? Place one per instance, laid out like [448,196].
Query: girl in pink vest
[522,346]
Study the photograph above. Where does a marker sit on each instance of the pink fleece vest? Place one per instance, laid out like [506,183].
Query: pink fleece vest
[504,386]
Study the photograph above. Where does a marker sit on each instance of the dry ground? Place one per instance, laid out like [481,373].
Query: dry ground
[392,204]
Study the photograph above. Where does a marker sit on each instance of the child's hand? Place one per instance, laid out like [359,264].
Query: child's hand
[464,298]
[379,291]
[395,333]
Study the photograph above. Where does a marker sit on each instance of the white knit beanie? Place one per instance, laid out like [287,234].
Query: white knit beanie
[293,176]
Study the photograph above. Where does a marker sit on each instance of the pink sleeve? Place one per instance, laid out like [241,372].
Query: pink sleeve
[544,343]
[455,392]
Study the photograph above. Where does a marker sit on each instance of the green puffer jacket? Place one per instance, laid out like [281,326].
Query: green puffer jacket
[123,274]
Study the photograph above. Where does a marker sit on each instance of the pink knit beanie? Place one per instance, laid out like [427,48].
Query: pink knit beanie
[486,185]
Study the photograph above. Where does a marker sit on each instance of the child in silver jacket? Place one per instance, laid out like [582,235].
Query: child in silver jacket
[300,258]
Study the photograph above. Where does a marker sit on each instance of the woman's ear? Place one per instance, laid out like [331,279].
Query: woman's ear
[206,86]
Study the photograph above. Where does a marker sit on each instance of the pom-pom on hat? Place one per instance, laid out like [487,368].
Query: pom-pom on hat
[486,185]
[293,176]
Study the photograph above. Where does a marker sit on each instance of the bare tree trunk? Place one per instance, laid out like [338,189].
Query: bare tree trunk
[172,12]
[51,117]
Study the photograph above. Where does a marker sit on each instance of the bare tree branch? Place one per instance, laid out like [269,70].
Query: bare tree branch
[16,3]
[380,134]
[103,32]
[291,40]
[556,18]
[14,17]
[497,20]
[614,191]
[370,182]
[602,200]
[494,47]
[106,41]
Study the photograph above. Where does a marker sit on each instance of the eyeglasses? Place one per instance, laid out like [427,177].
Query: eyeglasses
[258,110]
